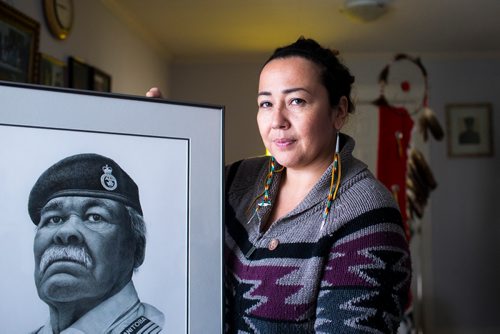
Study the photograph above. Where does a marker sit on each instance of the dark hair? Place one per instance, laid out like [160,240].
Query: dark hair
[335,76]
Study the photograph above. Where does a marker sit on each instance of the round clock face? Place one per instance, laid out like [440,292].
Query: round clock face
[64,13]
[59,15]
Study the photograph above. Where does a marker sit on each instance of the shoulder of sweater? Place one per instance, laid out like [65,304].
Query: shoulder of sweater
[360,193]
[364,188]
[358,180]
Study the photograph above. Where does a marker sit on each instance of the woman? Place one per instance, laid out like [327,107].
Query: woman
[313,242]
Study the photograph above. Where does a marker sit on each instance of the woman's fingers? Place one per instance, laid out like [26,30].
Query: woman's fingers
[154,92]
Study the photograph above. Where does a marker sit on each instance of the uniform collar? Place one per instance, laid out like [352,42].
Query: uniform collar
[103,315]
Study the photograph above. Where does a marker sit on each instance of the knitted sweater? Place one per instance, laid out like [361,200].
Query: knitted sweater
[352,276]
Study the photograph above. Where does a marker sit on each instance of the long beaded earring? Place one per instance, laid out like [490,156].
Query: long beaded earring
[266,201]
[336,170]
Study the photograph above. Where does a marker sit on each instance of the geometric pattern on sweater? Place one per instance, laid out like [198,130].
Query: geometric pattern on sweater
[352,311]
[353,264]
[264,326]
[366,250]
[265,290]
[374,261]
[350,277]
[372,264]
[365,266]
[246,321]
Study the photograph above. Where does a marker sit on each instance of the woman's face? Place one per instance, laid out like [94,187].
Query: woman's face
[296,122]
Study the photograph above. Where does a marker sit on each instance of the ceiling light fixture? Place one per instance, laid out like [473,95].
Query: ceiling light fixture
[365,10]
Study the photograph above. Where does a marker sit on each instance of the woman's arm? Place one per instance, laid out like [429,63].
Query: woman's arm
[366,279]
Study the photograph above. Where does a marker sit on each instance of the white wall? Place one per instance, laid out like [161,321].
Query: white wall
[457,253]
[466,207]
[229,83]
[102,40]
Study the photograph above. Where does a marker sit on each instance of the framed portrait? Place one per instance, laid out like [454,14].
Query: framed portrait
[173,153]
[101,81]
[469,129]
[80,75]
[52,71]
[19,35]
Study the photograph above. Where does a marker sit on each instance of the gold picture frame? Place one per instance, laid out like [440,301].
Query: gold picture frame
[52,71]
[19,40]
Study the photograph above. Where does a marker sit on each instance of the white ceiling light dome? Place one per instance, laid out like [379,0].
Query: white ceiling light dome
[365,10]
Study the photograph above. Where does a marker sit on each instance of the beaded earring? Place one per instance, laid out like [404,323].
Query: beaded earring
[332,193]
[266,201]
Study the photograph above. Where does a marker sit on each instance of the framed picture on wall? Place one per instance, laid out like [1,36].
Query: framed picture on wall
[52,71]
[469,129]
[101,81]
[19,35]
[113,204]
[79,74]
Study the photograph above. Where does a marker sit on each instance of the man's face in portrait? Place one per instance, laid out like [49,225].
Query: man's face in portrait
[84,249]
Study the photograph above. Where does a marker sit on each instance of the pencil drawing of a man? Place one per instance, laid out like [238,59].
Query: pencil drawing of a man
[90,238]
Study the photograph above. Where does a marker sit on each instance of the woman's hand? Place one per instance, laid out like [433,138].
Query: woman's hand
[154,92]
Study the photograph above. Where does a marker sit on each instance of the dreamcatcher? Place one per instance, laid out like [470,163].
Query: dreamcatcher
[401,167]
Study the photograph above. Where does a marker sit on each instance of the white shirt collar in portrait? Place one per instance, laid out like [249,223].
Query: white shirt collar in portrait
[114,315]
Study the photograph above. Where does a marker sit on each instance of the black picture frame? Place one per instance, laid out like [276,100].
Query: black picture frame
[101,81]
[79,74]
[173,151]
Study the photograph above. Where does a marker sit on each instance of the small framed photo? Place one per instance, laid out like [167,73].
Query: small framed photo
[469,129]
[19,36]
[100,81]
[52,71]
[79,74]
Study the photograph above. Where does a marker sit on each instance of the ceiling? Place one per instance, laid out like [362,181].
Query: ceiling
[220,28]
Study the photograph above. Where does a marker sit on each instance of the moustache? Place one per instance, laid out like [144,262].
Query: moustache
[65,253]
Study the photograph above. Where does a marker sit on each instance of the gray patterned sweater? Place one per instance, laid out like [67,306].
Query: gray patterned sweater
[352,276]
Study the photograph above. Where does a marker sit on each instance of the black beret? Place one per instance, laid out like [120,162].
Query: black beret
[88,175]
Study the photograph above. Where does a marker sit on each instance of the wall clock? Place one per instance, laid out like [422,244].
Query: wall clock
[59,15]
